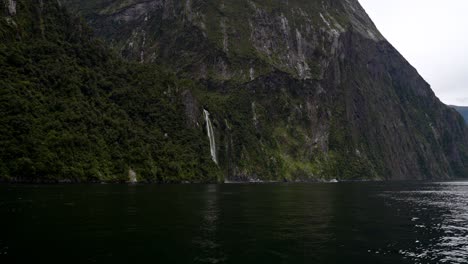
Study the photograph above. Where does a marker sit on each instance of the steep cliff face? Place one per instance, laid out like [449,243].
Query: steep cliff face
[223,40]
[286,90]
[297,89]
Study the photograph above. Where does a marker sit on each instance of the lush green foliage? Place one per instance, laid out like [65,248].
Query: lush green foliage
[70,109]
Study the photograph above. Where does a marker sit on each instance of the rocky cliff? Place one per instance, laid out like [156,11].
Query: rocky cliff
[290,89]
[230,40]
[324,92]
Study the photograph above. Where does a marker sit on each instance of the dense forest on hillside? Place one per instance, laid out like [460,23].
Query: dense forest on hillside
[70,109]
[73,110]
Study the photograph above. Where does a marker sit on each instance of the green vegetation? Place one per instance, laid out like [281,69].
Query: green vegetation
[70,109]
[73,110]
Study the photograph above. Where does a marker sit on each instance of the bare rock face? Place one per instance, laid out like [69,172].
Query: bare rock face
[298,90]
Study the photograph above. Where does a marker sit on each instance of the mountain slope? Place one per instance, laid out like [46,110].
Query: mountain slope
[228,39]
[463,110]
[281,90]
[70,110]
[325,94]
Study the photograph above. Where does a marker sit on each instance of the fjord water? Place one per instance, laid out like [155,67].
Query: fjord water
[238,223]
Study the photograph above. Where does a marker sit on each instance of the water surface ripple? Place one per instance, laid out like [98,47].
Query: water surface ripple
[235,223]
[440,217]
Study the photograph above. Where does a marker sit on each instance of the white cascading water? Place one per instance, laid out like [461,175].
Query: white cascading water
[211,137]
[132,177]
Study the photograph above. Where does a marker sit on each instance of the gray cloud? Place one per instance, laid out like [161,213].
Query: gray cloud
[433,36]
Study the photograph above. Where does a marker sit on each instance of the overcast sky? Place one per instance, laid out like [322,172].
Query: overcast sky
[433,36]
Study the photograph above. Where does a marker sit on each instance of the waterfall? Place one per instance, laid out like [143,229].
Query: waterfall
[132,177]
[210,132]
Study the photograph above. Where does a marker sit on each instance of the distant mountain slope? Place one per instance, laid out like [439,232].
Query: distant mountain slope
[463,110]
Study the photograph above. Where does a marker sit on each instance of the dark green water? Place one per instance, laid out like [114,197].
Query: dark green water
[245,223]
